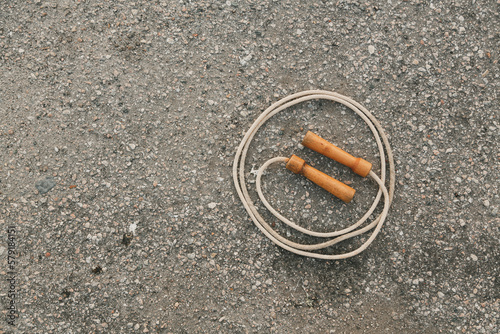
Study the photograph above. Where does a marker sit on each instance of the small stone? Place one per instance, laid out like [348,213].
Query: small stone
[244,61]
[132,146]
[473,257]
[212,205]
[371,49]
[440,294]
[43,186]
[486,203]
[132,228]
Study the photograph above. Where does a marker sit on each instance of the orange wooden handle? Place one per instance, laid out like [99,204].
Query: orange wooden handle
[333,186]
[318,144]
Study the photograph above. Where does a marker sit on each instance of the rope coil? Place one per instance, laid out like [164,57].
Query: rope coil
[338,236]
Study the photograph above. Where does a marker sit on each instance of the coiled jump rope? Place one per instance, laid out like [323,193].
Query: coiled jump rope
[297,165]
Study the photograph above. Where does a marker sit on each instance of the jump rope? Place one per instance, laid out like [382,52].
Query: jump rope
[335,187]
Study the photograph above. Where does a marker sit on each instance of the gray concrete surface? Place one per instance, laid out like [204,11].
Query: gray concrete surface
[135,108]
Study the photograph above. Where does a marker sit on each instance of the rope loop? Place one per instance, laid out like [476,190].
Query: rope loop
[338,236]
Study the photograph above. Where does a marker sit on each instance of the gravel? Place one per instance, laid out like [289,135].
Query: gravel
[125,116]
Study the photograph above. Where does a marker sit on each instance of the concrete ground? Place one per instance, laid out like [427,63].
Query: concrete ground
[119,121]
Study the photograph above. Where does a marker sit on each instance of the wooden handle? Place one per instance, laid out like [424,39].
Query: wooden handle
[318,144]
[333,186]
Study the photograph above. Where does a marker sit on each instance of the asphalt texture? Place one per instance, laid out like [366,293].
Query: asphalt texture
[119,121]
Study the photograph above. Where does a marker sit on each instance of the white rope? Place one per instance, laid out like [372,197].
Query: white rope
[346,233]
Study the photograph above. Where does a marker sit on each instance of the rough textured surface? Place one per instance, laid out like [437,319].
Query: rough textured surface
[136,108]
